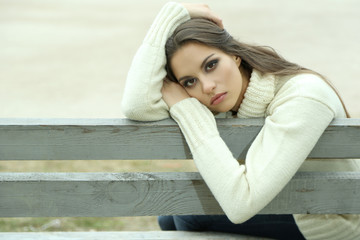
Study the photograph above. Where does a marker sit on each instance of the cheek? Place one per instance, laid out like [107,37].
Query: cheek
[194,92]
[197,93]
[231,73]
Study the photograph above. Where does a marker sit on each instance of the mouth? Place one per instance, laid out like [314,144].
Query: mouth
[218,98]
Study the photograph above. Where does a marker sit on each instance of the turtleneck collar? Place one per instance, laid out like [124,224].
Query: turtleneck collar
[258,95]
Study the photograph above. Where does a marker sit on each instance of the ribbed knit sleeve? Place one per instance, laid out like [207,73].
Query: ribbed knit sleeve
[142,98]
[294,125]
[203,124]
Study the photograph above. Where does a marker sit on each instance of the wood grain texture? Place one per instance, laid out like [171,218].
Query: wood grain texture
[153,194]
[86,139]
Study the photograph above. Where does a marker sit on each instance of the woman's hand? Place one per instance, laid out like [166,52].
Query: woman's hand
[203,11]
[173,92]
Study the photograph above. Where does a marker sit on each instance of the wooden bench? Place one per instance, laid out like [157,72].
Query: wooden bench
[150,193]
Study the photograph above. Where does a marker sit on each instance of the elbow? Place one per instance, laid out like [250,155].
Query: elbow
[142,113]
[127,110]
[240,213]
[129,114]
[133,112]
[238,218]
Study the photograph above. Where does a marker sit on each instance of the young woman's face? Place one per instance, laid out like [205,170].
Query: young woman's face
[209,75]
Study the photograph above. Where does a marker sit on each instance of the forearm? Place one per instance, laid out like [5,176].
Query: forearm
[273,158]
[221,171]
[142,99]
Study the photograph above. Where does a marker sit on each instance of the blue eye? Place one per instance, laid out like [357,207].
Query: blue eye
[189,82]
[211,65]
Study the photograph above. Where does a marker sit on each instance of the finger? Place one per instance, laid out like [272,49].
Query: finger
[212,16]
[216,19]
[203,11]
[166,81]
[219,22]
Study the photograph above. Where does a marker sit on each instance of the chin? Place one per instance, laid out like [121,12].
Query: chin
[222,109]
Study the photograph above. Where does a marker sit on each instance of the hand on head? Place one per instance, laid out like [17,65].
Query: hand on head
[203,11]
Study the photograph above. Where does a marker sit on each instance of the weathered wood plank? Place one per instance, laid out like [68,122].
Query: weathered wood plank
[175,235]
[152,194]
[72,139]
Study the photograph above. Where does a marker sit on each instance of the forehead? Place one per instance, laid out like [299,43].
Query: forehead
[190,56]
[192,51]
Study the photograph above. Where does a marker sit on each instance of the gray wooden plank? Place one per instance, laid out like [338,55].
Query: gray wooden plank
[173,235]
[72,139]
[152,194]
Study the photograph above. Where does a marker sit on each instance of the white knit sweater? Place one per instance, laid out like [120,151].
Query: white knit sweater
[297,109]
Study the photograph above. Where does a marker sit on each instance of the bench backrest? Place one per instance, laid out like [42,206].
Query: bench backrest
[152,194]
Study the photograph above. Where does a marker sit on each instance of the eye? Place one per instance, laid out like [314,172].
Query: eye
[189,82]
[211,65]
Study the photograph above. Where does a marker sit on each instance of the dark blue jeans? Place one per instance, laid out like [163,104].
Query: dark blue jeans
[270,226]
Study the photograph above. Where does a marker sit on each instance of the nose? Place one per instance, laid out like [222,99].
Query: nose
[208,85]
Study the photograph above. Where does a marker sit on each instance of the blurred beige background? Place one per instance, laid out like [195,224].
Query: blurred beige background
[68,58]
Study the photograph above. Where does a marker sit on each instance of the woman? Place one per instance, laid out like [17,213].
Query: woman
[190,67]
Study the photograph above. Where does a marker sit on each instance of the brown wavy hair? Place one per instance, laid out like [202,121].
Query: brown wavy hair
[262,58]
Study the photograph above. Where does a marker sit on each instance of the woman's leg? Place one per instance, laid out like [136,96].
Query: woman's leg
[271,226]
[167,223]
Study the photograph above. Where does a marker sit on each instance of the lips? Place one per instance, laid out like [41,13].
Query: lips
[218,98]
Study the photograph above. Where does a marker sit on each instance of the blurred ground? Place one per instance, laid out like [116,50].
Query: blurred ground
[69,59]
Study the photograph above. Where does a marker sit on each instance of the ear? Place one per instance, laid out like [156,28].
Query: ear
[237,60]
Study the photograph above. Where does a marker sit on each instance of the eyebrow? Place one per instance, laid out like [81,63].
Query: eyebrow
[201,66]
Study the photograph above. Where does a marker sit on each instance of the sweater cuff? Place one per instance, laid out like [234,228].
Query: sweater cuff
[196,121]
[169,18]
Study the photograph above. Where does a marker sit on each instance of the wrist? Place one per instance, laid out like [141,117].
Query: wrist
[173,102]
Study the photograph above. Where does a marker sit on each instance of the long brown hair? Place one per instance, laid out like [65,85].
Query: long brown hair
[262,58]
